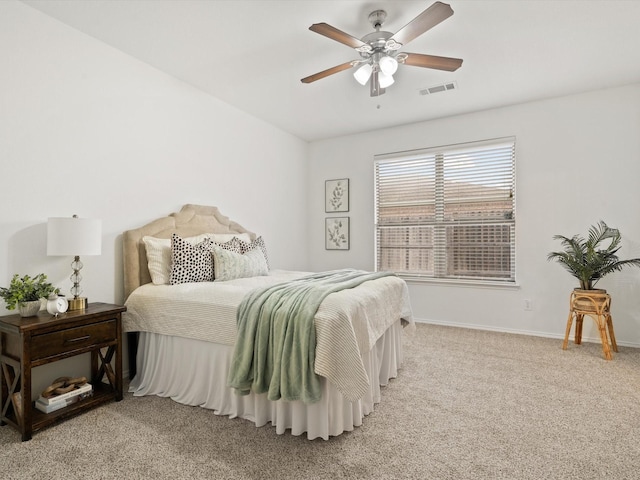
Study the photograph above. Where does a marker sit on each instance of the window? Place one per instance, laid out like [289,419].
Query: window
[447,212]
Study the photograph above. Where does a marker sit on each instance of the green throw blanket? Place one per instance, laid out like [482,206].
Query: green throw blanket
[275,348]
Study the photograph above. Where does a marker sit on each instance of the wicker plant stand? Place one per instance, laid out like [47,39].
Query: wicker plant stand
[597,305]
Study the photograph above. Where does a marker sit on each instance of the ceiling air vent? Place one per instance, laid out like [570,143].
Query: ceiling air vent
[445,87]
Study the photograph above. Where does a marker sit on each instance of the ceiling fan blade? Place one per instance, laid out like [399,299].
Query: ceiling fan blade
[327,72]
[338,35]
[376,90]
[432,61]
[431,17]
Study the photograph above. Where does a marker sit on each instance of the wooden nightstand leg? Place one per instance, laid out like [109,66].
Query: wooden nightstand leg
[95,380]
[118,363]
[16,392]
[25,390]
[4,399]
[103,367]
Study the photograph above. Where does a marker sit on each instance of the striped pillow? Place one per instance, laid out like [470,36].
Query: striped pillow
[230,265]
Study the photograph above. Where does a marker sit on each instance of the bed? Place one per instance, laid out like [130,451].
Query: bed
[182,336]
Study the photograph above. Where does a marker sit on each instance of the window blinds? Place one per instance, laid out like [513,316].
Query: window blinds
[447,212]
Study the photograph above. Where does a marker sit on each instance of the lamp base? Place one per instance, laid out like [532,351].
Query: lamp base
[79,303]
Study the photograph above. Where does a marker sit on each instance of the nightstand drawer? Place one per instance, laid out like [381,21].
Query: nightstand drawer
[56,343]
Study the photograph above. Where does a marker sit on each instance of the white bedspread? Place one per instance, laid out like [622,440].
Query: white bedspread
[348,323]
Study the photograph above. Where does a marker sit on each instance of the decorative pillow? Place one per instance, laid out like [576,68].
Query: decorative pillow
[159,256]
[191,263]
[233,245]
[225,237]
[230,265]
[257,243]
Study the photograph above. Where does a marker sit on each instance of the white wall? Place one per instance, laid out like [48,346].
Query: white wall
[86,129]
[577,161]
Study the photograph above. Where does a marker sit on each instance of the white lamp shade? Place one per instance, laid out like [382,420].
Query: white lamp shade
[363,73]
[74,236]
[384,80]
[388,65]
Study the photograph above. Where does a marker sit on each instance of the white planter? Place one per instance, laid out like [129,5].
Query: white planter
[29,309]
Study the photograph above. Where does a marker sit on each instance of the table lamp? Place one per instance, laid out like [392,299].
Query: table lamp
[74,236]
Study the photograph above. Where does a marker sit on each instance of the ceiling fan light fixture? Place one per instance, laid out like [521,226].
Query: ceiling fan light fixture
[388,65]
[363,73]
[385,80]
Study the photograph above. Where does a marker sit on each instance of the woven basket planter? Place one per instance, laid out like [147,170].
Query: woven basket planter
[589,301]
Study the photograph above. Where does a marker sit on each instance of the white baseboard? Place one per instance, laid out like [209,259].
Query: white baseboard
[518,332]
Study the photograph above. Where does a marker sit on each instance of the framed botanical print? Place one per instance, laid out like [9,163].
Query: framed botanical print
[336,233]
[336,195]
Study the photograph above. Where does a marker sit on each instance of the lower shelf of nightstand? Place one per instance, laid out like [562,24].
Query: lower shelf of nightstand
[101,394]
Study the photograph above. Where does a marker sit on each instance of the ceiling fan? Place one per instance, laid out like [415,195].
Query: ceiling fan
[379,50]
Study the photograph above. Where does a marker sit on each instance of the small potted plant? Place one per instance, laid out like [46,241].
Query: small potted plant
[591,259]
[26,293]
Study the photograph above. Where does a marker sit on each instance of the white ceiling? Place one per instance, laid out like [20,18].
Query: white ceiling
[253,53]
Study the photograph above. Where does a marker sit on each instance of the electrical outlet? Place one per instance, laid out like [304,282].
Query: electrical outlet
[528,304]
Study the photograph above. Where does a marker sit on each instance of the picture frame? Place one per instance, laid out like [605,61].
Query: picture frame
[336,233]
[336,195]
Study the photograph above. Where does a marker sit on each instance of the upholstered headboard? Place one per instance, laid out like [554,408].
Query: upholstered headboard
[191,220]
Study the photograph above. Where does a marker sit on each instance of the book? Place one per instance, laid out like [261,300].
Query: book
[65,402]
[87,387]
[52,407]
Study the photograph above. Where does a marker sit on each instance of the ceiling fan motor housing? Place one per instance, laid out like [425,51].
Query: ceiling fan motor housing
[377,18]
[378,40]
[378,43]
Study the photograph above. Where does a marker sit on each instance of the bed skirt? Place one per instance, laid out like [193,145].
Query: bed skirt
[165,367]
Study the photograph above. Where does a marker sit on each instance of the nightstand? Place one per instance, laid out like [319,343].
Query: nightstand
[29,342]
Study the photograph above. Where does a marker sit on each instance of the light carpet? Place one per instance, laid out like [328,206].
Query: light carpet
[467,404]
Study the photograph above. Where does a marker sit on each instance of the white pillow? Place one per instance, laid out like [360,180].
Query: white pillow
[159,256]
[229,265]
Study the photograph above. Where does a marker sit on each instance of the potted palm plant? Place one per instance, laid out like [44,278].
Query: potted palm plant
[592,258]
[26,293]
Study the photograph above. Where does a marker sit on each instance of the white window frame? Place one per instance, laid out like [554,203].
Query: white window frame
[441,229]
